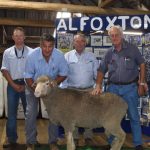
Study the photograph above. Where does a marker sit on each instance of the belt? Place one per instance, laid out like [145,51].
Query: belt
[123,83]
[19,81]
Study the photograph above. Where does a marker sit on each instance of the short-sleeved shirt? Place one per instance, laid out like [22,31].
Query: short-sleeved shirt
[122,66]
[82,69]
[36,65]
[14,62]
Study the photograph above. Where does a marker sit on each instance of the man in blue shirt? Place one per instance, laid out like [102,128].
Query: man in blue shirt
[122,62]
[45,60]
[13,66]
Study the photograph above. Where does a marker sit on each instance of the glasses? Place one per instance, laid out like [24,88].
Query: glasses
[114,35]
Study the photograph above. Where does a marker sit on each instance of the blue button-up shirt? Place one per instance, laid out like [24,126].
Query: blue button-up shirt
[82,69]
[36,65]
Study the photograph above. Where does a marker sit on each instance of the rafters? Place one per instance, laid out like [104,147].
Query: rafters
[68,7]
[26,22]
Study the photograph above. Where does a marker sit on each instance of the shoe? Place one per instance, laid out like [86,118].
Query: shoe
[139,147]
[32,146]
[53,147]
[81,141]
[61,141]
[106,147]
[8,144]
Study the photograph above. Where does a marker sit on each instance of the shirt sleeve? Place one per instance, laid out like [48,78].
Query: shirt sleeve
[63,66]
[139,58]
[5,62]
[29,68]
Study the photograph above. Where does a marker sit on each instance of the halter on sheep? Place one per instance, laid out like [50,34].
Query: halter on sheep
[73,108]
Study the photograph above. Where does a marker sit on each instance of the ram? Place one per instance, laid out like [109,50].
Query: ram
[72,108]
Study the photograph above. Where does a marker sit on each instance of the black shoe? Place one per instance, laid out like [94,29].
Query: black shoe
[32,146]
[8,144]
[106,147]
[139,147]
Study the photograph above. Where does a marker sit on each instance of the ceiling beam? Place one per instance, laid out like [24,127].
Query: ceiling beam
[68,8]
[26,22]
[105,3]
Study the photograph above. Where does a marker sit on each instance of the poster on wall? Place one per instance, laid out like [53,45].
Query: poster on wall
[64,41]
[147,39]
[96,40]
[134,39]
[89,49]
[100,52]
[107,41]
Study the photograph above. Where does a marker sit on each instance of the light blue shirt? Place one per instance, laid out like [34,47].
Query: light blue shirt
[82,70]
[36,65]
[15,66]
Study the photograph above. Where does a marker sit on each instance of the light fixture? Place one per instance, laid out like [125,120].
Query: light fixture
[100,31]
[132,33]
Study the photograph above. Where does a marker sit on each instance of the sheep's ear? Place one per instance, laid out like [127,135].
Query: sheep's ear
[53,83]
[34,84]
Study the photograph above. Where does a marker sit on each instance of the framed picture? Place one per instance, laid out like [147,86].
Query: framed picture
[96,40]
[107,41]
[64,41]
[99,52]
[147,38]
[134,39]
[89,49]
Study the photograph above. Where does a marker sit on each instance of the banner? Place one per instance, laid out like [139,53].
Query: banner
[138,22]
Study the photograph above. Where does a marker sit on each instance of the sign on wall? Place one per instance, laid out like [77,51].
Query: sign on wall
[103,23]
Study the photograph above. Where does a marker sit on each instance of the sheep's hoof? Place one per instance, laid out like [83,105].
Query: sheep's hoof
[81,141]
[53,147]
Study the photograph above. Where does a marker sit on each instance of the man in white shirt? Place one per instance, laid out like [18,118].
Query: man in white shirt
[82,71]
[13,66]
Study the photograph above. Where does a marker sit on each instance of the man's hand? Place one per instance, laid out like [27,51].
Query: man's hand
[18,88]
[97,90]
[142,89]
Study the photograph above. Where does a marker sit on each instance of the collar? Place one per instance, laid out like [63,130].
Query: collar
[40,57]
[123,46]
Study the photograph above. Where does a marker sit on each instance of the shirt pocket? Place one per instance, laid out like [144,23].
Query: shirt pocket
[129,63]
[88,66]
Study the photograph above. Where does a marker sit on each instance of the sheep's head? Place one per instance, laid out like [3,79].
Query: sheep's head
[43,86]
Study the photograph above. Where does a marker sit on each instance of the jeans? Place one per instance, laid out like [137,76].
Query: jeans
[13,101]
[31,121]
[130,95]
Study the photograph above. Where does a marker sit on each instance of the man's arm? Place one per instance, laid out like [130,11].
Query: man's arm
[99,80]
[142,89]
[30,83]
[60,79]
[16,87]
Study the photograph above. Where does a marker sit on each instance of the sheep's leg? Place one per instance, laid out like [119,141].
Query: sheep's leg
[119,138]
[70,141]
[118,133]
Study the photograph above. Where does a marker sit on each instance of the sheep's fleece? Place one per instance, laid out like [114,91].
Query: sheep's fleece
[73,108]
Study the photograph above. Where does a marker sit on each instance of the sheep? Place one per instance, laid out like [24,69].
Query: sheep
[71,108]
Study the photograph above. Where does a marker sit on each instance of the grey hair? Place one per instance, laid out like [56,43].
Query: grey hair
[80,35]
[118,28]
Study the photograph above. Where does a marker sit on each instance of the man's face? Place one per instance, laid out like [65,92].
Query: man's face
[115,37]
[47,48]
[79,44]
[18,37]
